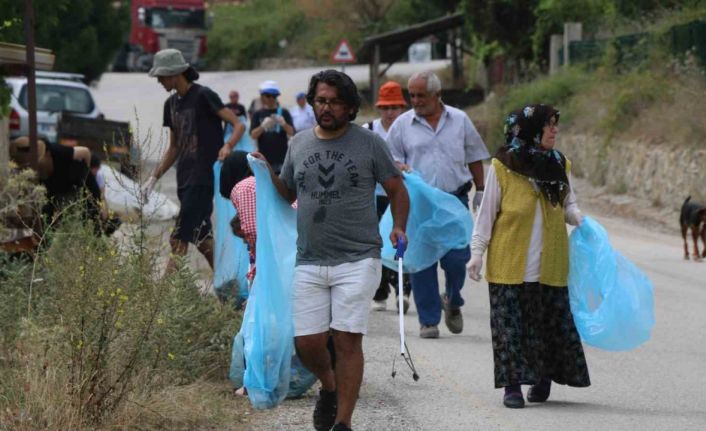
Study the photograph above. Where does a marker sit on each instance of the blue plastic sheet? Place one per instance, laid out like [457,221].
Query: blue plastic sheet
[230,260]
[611,299]
[267,325]
[438,223]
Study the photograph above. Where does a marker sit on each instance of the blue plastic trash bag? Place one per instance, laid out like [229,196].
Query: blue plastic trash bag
[438,223]
[300,379]
[231,258]
[237,358]
[245,143]
[269,351]
[611,299]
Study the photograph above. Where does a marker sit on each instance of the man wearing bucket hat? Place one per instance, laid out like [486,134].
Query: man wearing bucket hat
[194,115]
[272,126]
[390,105]
[302,114]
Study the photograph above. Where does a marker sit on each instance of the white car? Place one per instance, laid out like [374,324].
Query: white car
[56,93]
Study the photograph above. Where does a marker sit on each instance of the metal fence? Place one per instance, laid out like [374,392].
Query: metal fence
[635,48]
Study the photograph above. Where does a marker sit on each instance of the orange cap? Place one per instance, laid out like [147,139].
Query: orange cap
[390,94]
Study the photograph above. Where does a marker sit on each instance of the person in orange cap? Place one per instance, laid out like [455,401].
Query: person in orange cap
[390,105]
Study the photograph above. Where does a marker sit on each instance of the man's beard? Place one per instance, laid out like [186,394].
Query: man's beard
[334,125]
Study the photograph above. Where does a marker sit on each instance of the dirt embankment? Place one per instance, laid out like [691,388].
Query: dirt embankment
[634,179]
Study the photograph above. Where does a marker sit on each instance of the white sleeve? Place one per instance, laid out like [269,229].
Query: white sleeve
[394,143]
[473,145]
[572,213]
[487,214]
[100,179]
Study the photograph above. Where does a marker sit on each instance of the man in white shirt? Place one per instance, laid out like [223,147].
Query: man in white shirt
[442,145]
[302,114]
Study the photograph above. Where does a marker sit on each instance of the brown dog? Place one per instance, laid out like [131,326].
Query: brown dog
[693,216]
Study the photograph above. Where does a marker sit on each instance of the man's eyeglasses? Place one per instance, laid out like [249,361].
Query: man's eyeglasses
[320,102]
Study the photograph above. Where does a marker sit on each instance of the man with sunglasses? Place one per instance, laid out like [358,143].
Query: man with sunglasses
[441,144]
[272,126]
[332,170]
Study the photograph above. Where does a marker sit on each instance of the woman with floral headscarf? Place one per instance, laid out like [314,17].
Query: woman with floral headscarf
[521,222]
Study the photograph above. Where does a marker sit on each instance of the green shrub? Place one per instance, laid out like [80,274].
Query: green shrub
[557,90]
[636,92]
[94,326]
[242,34]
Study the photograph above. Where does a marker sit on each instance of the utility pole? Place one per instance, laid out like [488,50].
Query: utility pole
[31,82]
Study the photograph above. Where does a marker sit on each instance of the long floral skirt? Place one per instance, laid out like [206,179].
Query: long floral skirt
[534,336]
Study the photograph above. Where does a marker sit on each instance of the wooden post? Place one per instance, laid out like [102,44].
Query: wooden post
[4,151]
[455,65]
[31,83]
[374,77]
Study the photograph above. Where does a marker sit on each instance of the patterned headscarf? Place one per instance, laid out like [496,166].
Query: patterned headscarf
[522,153]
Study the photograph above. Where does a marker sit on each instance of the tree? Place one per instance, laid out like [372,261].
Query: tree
[84,34]
[507,25]
[407,12]
[595,15]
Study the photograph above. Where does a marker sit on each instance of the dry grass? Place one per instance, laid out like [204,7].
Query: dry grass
[202,405]
[658,105]
[674,121]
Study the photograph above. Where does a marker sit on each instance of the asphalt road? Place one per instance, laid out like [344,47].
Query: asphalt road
[658,386]
[137,98]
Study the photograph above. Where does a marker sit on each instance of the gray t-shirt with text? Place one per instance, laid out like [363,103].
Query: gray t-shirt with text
[335,185]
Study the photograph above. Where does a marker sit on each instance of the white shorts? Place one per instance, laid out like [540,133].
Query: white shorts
[336,297]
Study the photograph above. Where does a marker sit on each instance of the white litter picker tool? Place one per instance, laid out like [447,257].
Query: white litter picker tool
[404,350]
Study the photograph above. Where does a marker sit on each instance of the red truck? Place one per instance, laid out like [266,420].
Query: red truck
[160,24]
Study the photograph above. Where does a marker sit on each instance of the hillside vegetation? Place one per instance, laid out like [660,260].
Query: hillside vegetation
[519,29]
[631,126]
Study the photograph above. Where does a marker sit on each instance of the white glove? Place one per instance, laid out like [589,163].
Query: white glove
[268,124]
[474,267]
[574,218]
[147,188]
[477,199]
[280,120]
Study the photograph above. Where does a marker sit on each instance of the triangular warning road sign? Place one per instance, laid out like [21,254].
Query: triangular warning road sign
[343,53]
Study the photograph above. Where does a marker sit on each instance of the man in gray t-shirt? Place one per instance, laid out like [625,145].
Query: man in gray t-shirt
[332,171]
[334,180]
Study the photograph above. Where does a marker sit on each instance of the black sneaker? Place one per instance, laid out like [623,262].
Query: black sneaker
[340,427]
[325,411]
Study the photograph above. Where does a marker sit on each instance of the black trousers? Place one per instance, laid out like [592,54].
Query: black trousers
[389,277]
